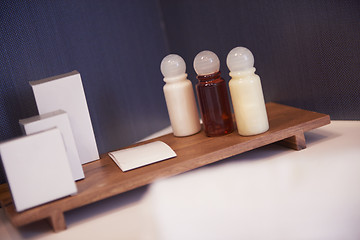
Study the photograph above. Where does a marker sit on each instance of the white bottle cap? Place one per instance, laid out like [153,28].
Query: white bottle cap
[172,65]
[239,59]
[206,62]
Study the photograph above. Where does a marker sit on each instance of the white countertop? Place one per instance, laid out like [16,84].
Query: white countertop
[268,193]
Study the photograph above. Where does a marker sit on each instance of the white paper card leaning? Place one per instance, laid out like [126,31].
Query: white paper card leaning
[60,120]
[139,156]
[66,92]
[37,169]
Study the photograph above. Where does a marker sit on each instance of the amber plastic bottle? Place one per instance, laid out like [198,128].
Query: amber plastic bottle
[212,96]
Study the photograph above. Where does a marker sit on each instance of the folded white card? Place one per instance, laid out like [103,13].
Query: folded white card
[37,169]
[130,158]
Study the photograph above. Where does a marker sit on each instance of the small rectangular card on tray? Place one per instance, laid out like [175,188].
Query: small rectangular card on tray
[131,158]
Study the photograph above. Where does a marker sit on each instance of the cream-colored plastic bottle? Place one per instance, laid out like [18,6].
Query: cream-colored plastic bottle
[246,93]
[179,96]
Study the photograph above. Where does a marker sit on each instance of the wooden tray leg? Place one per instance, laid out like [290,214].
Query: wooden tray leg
[296,142]
[57,221]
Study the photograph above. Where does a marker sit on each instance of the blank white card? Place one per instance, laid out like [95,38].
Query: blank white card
[60,120]
[37,169]
[66,92]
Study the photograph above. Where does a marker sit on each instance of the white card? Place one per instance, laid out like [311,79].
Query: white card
[131,158]
[37,169]
[66,92]
[60,120]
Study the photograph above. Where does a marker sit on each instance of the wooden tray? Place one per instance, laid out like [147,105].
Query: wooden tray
[104,179]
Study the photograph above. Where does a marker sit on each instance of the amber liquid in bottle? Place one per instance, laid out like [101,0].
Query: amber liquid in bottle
[214,105]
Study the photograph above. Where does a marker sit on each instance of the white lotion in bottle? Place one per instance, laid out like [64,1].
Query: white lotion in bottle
[246,93]
[179,96]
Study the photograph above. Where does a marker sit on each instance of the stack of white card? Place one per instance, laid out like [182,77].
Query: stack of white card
[44,165]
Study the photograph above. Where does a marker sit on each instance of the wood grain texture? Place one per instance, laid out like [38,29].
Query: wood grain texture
[57,221]
[296,142]
[104,179]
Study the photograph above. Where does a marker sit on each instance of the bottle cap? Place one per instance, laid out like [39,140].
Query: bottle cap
[206,62]
[239,59]
[172,65]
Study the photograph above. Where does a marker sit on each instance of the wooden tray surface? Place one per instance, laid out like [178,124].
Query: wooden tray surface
[103,178]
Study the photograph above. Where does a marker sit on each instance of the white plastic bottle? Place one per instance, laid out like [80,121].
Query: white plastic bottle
[246,93]
[179,96]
